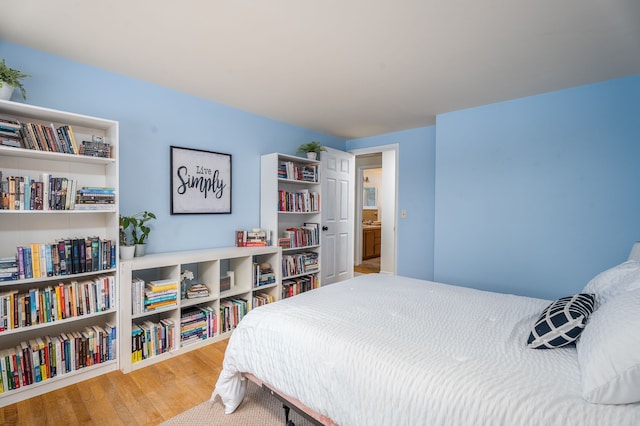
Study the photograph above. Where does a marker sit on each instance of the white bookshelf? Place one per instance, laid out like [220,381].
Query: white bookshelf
[26,227]
[208,267]
[279,217]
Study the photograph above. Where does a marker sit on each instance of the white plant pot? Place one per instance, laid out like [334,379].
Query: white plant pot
[6,91]
[140,249]
[127,252]
[312,155]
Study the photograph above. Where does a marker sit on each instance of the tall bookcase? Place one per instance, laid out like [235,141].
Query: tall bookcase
[184,324]
[290,209]
[39,337]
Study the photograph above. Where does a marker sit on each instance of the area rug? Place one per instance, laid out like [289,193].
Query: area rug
[257,408]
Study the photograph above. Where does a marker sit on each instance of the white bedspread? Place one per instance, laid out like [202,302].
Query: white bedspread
[389,350]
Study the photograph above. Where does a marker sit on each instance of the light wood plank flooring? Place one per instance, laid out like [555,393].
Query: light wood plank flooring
[147,396]
[368,266]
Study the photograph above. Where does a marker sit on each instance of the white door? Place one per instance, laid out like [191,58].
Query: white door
[337,204]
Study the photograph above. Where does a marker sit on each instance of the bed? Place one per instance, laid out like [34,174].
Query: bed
[391,350]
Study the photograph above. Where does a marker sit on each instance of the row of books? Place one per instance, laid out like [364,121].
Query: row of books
[299,285]
[263,274]
[149,339]
[260,299]
[302,201]
[299,263]
[20,309]
[43,358]
[48,193]
[302,172]
[153,295]
[50,138]
[197,323]
[231,313]
[304,236]
[65,257]
[52,193]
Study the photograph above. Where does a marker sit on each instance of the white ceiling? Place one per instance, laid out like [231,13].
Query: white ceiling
[349,68]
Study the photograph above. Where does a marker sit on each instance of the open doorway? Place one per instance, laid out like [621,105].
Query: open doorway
[375,205]
[371,196]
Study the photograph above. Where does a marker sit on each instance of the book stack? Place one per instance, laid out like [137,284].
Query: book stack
[302,201]
[8,269]
[42,358]
[231,313]
[197,290]
[95,198]
[254,238]
[304,236]
[299,285]
[10,133]
[197,323]
[263,274]
[65,257]
[260,299]
[301,263]
[302,172]
[160,294]
[95,149]
[149,339]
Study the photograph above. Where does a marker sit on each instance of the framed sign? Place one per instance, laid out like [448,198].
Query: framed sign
[200,181]
[370,198]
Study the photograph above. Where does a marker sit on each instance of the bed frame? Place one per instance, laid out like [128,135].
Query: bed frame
[291,403]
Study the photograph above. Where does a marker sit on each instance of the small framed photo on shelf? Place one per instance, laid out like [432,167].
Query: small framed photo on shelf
[226,282]
[200,181]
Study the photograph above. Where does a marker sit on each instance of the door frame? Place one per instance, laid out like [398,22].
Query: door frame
[389,255]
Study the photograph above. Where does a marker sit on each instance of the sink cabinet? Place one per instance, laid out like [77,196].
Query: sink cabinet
[371,238]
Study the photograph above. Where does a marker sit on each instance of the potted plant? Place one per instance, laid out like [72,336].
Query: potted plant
[127,248]
[9,80]
[139,230]
[312,149]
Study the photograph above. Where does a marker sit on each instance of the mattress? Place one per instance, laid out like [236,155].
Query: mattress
[390,350]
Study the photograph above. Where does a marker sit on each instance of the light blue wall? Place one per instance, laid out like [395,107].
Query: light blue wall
[416,174]
[531,196]
[536,195]
[151,119]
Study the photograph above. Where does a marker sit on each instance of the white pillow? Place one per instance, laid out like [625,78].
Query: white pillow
[609,352]
[614,281]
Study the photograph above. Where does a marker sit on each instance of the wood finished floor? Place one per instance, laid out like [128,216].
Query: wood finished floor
[368,266]
[147,396]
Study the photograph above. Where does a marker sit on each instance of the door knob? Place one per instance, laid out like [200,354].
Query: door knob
[325,228]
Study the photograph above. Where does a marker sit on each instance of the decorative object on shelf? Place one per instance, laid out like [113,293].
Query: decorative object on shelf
[312,149]
[227,282]
[184,276]
[10,80]
[139,230]
[200,181]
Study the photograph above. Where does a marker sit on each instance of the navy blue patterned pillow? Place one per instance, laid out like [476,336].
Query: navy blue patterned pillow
[561,322]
